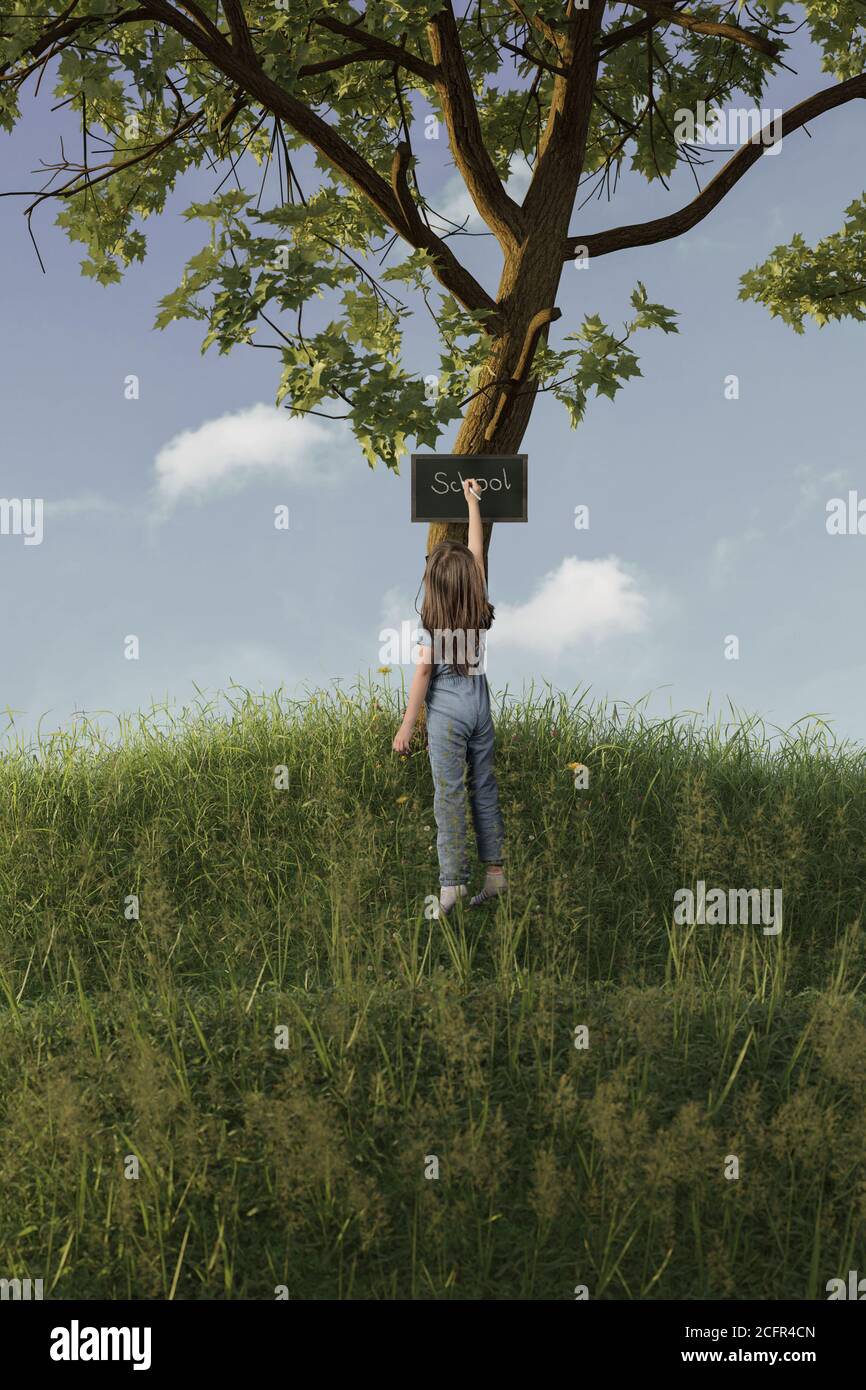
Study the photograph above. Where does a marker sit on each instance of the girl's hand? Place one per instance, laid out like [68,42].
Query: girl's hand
[402,739]
[471,491]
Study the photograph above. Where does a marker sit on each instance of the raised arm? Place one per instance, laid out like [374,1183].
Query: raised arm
[476,532]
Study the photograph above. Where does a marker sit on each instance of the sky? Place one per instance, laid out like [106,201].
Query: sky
[707,515]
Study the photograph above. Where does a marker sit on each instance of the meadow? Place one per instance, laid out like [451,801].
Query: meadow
[235,1046]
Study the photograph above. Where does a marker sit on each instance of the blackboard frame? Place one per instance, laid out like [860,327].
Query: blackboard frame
[468,459]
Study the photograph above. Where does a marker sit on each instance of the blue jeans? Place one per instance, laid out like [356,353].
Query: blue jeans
[460,731]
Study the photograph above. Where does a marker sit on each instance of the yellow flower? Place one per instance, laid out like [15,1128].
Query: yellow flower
[401,800]
[576,767]
[385,670]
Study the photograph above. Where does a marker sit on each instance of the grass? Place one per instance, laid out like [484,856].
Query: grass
[243,1087]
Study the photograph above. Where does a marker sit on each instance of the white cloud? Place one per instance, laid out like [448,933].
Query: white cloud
[815,491]
[452,204]
[398,619]
[729,555]
[581,601]
[398,606]
[89,504]
[225,453]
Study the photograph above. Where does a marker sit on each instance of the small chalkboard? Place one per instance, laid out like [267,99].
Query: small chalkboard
[437,489]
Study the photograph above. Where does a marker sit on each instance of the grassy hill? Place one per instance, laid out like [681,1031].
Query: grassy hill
[282,1041]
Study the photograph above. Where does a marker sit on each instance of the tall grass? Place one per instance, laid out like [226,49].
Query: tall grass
[284,1040]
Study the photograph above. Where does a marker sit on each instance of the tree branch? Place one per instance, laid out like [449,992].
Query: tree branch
[562,147]
[606,43]
[536,21]
[250,77]
[400,185]
[241,41]
[86,178]
[663,14]
[65,30]
[533,58]
[453,85]
[381,47]
[342,60]
[537,324]
[676,223]
[200,18]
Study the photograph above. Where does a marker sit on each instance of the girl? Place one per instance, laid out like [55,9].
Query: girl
[450,677]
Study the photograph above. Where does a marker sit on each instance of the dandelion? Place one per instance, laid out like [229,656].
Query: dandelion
[384,670]
[401,800]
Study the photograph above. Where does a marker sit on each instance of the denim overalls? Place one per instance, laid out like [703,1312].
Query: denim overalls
[460,732]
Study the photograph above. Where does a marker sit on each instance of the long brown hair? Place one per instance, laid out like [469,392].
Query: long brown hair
[455,604]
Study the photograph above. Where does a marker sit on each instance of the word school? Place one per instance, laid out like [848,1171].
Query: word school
[76,1343]
[495,484]
[737,906]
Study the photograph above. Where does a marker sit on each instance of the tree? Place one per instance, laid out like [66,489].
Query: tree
[578,91]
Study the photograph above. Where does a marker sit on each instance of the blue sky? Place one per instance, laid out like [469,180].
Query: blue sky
[707,515]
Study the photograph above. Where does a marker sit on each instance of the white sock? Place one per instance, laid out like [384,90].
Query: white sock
[449,895]
[494,884]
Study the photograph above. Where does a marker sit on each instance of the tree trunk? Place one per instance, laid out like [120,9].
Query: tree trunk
[503,405]
[531,272]
[510,427]
[498,415]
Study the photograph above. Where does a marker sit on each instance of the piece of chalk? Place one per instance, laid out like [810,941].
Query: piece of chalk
[476,495]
